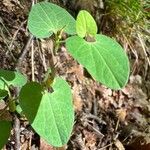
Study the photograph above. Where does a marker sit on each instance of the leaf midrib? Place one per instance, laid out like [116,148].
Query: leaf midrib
[47,95]
[109,68]
[48,16]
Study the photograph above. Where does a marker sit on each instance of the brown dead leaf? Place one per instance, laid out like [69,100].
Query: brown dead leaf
[107,92]
[136,93]
[105,103]
[91,139]
[137,79]
[25,146]
[2,104]
[139,118]
[134,90]
[77,101]
[61,148]
[44,145]
[4,113]
[47,44]
[119,145]
[78,71]
[121,114]
[8,4]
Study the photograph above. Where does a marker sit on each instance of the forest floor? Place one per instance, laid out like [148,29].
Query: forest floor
[104,118]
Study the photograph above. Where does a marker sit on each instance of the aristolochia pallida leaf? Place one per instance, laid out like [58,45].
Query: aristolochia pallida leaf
[50,114]
[3,93]
[105,59]
[85,24]
[46,18]
[5,128]
[13,78]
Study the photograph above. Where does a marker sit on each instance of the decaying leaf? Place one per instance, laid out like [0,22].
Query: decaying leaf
[121,114]
[119,145]
[77,101]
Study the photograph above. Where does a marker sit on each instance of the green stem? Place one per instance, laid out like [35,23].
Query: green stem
[49,78]
[50,75]
[60,42]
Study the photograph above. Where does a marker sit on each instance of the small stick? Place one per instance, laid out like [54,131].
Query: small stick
[14,59]
[106,146]
[24,52]
[95,107]
[16,119]
[17,132]
[117,125]
[15,34]
[32,60]
[144,49]
[96,131]
[90,116]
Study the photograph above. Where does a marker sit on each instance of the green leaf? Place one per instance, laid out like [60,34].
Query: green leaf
[50,114]
[3,94]
[104,59]
[46,18]
[13,78]
[19,110]
[5,128]
[85,24]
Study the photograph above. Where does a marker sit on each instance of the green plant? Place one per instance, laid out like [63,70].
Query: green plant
[8,79]
[48,105]
[129,17]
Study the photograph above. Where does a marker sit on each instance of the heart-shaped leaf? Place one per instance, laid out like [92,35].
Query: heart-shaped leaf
[85,24]
[13,78]
[50,114]
[46,18]
[104,59]
[3,94]
[5,128]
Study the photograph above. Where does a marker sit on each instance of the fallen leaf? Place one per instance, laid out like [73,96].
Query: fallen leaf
[45,146]
[119,145]
[121,114]
[77,101]
[91,139]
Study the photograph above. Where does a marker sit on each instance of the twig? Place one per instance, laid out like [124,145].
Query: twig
[96,131]
[134,52]
[5,41]
[32,60]
[16,119]
[95,107]
[24,51]
[90,116]
[1,21]
[147,32]
[106,146]
[17,132]
[15,34]
[80,142]
[116,128]
[144,49]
